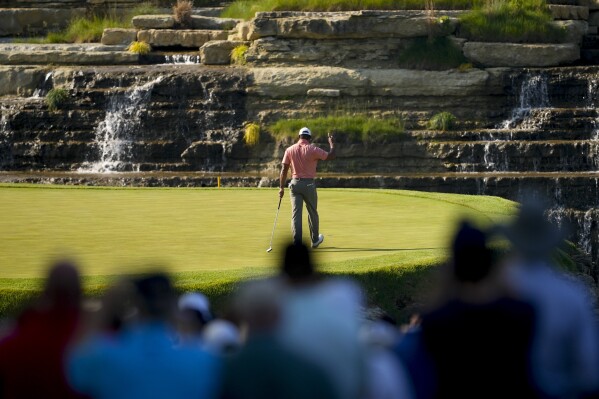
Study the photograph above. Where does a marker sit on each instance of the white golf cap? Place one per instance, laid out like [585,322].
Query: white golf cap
[305,131]
[196,301]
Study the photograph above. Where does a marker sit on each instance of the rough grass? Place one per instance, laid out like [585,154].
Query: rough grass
[442,121]
[209,239]
[510,21]
[55,98]
[238,54]
[139,48]
[251,136]
[247,9]
[360,127]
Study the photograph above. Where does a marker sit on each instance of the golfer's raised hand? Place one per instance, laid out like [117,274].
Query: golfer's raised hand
[331,140]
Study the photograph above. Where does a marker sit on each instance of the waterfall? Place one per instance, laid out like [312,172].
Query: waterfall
[114,135]
[532,98]
[585,240]
[5,133]
[46,85]
[181,59]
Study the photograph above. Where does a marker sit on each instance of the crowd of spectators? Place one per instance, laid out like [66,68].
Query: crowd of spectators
[510,326]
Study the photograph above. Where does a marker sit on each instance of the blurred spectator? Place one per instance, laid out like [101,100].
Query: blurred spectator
[477,343]
[386,377]
[222,336]
[321,318]
[194,313]
[264,368]
[565,351]
[32,355]
[141,361]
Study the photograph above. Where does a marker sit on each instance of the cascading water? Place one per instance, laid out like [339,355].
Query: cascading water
[4,136]
[114,135]
[181,59]
[43,89]
[532,98]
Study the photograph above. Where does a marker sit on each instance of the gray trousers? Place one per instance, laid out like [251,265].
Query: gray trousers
[303,190]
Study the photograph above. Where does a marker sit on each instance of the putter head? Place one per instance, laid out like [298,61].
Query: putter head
[269,249]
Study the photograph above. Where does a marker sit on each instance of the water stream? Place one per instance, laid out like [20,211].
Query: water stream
[114,135]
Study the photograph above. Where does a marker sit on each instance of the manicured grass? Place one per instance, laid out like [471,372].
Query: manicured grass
[210,238]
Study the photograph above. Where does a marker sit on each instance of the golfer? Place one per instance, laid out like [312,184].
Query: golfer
[303,157]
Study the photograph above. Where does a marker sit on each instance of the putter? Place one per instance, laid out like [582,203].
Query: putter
[275,225]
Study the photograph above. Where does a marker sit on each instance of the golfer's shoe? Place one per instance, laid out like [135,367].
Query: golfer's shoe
[316,243]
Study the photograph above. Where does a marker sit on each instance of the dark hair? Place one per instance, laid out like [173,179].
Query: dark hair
[156,295]
[306,136]
[472,259]
[297,263]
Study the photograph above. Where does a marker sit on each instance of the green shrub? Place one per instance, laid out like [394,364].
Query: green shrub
[510,21]
[238,54]
[356,127]
[182,12]
[251,136]
[246,9]
[85,30]
[437,53]
[56,98]
[442,121]
[139,48]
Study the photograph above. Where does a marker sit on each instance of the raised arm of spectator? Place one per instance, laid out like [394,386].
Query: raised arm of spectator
[332,153]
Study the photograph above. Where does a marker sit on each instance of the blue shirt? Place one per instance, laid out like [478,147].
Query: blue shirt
[142,362]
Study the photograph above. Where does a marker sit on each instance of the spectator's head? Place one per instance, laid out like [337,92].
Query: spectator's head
[63,286]
[222,336]
[156,297]
[472,259]
[296,263]
[258,305]
[196,306]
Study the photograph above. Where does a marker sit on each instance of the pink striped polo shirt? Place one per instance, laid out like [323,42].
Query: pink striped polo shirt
[303,158]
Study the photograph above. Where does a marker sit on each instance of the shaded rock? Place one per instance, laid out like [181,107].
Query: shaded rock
[20,80]
[559,11]
[179,38]
[32,21]
[324,92]
[153,21]
[574,30]
[113,36]
[521,55]
[203,153]
[68,58]
[213,23]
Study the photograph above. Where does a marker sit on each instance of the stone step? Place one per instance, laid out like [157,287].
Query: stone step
[59,57]
[501,134]
[590,41]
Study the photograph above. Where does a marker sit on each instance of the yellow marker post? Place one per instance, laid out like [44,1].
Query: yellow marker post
[218,181]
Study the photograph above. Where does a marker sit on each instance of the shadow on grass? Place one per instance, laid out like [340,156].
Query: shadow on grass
[395,290]
[370,249]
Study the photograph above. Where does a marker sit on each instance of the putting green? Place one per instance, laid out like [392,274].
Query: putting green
[126,230]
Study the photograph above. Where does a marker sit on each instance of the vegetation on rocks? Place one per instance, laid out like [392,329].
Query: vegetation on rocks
[442,121]
[139,48]
[238,54]
[56,98]
[182,12]
[90,29]
[358,127]
[510,21]
[251,136]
